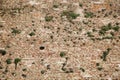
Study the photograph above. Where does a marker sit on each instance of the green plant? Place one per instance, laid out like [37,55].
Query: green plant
[3,52]
[55,6]
[80,4]
[43,71]
[101,32]
[62,54]
[69,14]
[48,66]
[16,61]
[97,64]
[105,28]
[42,47]
[106,15]
[85,22]
[32,34]
[108,49]
[108,37]
[105,53]
[94,30]
[112,33]
[1,25]
[83,70]
[116,28]
[115,16]
[15,31]
[70,70]
[99,68]
[24,75]
[1,67]
[89,34]
[89,15]
[64,69]
[8,61]
[48,18]
[13,73]
[24,69]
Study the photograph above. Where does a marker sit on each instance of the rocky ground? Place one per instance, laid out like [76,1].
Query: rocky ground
[59,40]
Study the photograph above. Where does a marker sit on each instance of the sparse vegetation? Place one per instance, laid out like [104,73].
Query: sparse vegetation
[62,54]
[24,69]
[24,75]
[97,64]
[8,61]
[15,31]
[13,73]
[1,67]
[55,6]
[99,68]
[70,70]
[48,18]
[42,47]
[1,26]
[108,37]
[59,39]
[105,53]
[70,15]
[16,61]
[116,28]
[64,69]
[3,52]
[83,70]
[89,34]
[94,30]
[89,15]
[32,34]
[43,71]
[80,4]
[48,67]
[105,28]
